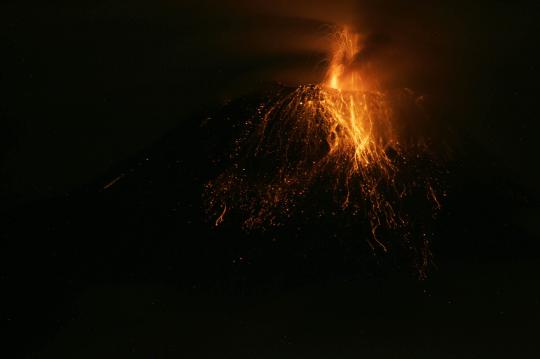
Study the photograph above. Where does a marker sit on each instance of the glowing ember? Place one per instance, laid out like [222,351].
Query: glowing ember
[336,137]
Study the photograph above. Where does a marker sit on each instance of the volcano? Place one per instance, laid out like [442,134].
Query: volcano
[335,145]
[147,221]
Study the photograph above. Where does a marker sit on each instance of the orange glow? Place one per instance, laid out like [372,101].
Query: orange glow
[339,75]
[337,132]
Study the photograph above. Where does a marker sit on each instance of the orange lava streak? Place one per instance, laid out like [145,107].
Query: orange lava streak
[359,131]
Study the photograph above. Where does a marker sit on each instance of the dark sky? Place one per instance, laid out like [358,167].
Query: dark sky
[88,84]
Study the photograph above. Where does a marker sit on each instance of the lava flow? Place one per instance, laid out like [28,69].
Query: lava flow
[335,138]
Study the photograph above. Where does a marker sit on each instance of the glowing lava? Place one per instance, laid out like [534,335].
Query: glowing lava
[337,136]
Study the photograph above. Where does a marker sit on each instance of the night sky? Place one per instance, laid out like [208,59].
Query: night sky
[96,91]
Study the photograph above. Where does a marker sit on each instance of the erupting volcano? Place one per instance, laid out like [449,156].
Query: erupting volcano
[335,140]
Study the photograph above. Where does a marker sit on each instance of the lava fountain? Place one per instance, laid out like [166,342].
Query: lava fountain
[333,139]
